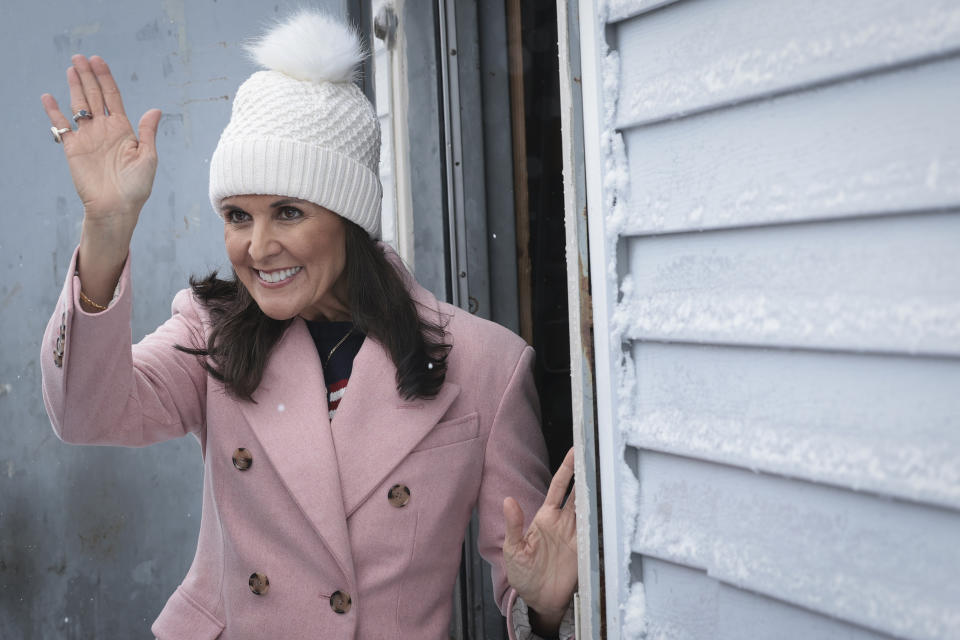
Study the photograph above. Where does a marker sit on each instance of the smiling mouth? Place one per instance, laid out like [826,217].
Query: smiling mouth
[275,277]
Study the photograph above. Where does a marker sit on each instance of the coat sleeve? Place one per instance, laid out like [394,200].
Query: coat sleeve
[98,388]
[515,465]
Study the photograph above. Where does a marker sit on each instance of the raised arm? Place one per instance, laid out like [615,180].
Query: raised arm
[97,387]
[112,171]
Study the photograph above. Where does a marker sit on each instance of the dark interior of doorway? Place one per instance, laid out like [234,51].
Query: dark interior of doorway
[544,221]
[541,287]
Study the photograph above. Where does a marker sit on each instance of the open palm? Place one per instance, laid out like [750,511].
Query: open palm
[112,170]
[542,563]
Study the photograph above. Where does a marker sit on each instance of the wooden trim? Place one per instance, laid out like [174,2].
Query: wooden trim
[590,603]
[521,196]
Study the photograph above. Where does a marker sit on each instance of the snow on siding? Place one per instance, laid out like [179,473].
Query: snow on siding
[834,418]
[844,159]
[742,49]
[781,202]
[697,606]
[882,564]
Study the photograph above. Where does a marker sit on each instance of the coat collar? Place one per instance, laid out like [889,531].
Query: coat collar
[331,469]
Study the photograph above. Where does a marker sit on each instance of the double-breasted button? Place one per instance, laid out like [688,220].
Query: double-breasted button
[61,340]
[242,459]
[259,583]
[399,495]
[340,601]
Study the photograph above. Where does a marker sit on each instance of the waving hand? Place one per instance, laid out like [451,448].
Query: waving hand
[542,563]
[112,169]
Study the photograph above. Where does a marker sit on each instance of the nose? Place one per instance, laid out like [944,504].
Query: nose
[263,242]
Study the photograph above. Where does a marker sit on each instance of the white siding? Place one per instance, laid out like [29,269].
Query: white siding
[880,144]
[781,240]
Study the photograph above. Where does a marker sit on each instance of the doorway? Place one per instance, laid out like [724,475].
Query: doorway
[468,95]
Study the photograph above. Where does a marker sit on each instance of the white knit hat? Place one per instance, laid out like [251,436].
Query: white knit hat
[302,128]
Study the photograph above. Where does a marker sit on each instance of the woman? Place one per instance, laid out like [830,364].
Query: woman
[333,514]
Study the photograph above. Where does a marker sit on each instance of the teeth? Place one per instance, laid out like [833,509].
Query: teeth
[278,276]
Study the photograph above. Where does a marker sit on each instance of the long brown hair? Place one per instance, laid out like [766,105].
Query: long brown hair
[242,336]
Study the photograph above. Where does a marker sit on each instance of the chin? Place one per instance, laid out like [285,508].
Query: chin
[278,314]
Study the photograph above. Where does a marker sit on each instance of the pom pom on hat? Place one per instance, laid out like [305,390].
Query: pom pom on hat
[302,128]
[310,46]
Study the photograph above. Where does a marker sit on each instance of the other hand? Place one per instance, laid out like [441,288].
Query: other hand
[542,563]
[112,170]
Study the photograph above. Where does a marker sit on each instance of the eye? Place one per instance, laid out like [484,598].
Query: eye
[235,216]
[290,213]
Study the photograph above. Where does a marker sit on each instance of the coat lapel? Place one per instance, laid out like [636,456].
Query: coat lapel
[290,420]
[375,429]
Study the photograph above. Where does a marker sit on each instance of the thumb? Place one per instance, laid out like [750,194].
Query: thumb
[147,129]
[513,518]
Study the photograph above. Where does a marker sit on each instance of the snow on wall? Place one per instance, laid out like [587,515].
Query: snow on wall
[700,607]
[888,284]
[616,10]
[835,418]
[831,551]
[782,217]
[616,182]
[747,48]
[780,164]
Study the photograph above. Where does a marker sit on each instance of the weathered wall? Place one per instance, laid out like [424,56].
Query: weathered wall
[93,540]
[781,218]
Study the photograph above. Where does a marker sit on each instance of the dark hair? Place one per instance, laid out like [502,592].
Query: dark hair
[242,336]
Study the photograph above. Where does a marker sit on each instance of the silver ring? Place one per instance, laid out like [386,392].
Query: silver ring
[58,133]
[82,114]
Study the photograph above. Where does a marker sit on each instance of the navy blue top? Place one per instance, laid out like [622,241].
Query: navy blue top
[336,370]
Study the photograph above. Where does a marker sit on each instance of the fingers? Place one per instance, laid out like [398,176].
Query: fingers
[111,94]
[513,518]
[92,94]
[77,99]
[560,482]
[147,129]
[50,105]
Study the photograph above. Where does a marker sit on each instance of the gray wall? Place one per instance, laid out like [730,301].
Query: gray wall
[93,540]
[789,230]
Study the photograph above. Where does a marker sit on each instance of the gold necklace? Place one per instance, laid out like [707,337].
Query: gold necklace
[336,346]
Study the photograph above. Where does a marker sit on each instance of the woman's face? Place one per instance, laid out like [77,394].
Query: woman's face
[289,254]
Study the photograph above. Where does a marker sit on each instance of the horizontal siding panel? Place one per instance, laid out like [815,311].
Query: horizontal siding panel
[881,564]
[883,144]
[623,9]
[880,284]
[700,54]
[684,603]
[889,425]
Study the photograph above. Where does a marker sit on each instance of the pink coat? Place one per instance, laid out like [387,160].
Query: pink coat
[313,512]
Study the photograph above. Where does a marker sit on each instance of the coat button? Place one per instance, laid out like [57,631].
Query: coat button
[259,583]
[242,459]
[340,601]
[399,495]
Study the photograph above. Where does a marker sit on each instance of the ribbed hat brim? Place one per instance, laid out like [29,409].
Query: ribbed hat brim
[275,166]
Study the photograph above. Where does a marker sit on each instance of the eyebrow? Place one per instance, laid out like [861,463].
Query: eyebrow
[229,206]
[284,202]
